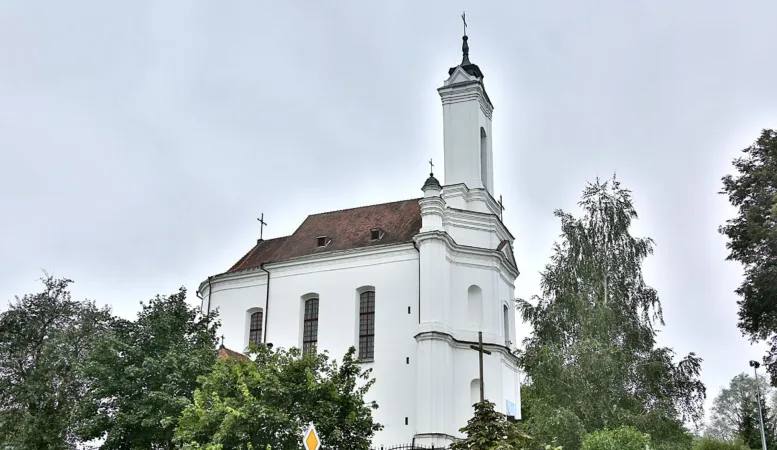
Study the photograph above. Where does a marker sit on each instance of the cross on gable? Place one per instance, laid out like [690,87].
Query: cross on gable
[262,224]
[501,207]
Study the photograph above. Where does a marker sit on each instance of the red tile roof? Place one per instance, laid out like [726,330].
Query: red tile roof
[345,229]
[224,353]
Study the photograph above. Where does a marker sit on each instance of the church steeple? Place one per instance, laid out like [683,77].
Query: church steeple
[470,68]
[467,124]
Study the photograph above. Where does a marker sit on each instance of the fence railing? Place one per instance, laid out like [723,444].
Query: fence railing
[409,447]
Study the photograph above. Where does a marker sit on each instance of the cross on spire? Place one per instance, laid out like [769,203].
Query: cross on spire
[464,19]
[501,207]
[481,351]
[261,226]
[431,168]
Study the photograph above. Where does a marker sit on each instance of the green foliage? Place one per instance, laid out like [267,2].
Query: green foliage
[592,359]
[749,424]
[726,412]
[709,443]
[752,239]
[623,438]
[145,372]
[489,429]
[271,399]
[44,338]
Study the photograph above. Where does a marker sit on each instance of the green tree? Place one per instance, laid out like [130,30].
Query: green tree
[592,361]
[145,371]
[749,424]
[747,427]
[44,338]
[489,429]
[752,240]
[623,438]
[271,398]
[725,414]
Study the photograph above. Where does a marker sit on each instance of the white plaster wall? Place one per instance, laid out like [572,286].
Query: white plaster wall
[467,369]
[463,277]
[394,276]
[233,299]
[461,140]
[472,236]
[509,387]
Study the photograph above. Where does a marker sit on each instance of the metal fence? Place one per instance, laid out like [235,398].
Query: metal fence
[409,447]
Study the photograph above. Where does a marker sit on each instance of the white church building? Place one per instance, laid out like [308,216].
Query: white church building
[408,283]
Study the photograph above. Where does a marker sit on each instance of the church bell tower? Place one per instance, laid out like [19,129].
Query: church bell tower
[467,126]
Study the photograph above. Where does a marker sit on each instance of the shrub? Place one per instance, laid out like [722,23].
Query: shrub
[623,438]
[716,444]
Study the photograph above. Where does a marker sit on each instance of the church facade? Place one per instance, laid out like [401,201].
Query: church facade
[410,284]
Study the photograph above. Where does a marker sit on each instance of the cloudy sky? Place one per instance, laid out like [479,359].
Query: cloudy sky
[140,141]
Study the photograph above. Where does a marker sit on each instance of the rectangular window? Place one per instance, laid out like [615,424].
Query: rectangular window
[367,325]
[255,333]
[310,326]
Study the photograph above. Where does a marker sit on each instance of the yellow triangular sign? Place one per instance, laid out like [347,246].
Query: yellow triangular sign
[310,439]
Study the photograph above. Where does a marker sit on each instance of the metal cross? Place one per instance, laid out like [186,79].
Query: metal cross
[261,226]
[464,19]
[222,340]
[501,207]
[480,350]
[431,167]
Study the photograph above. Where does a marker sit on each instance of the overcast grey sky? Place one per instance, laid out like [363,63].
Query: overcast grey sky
[140,141]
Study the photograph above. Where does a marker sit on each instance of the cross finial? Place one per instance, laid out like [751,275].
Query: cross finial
[262,224]
[222,340]
[464,46]
[431,168]
[501,207]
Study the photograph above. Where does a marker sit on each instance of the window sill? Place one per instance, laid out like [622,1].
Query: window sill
[366,360]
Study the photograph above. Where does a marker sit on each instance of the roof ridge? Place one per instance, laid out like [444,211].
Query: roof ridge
[364,206]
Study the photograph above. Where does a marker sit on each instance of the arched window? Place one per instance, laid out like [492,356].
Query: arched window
[255,328]
[483,157]
[310,326]
[506,320]
[475,306]
[474,391]
[367,325]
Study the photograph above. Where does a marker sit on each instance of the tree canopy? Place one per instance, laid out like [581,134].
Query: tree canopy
[752,240]
[44,338]
[271,398]
[592,360]
[623,438]
[726,414]
[144,373]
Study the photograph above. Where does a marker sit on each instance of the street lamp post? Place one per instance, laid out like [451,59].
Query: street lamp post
[755,365]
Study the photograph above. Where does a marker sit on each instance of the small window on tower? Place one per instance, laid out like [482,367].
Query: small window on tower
[321,241]
[375,234]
